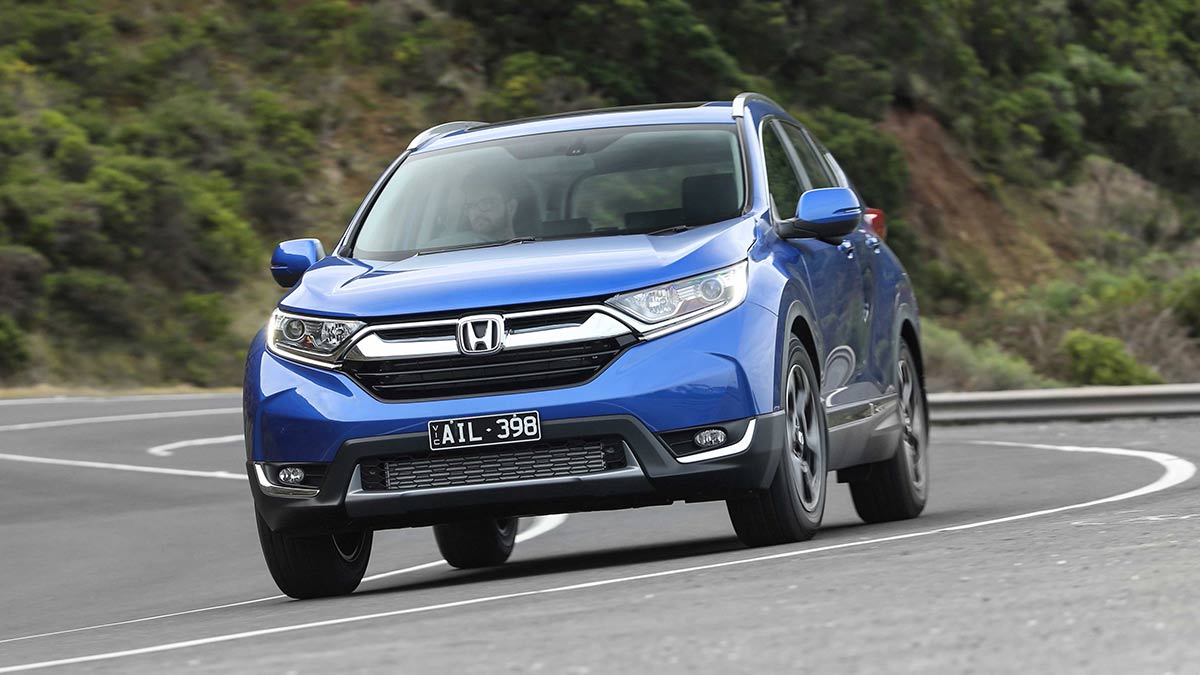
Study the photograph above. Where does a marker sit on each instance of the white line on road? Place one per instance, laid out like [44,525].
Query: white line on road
[122,467]
[168,449]
[539,525]
[46,400]
[1177,470]
[26,426]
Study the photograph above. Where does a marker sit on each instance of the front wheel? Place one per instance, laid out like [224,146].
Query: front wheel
[896,489]
[316,566]
[476,543]
[791,509]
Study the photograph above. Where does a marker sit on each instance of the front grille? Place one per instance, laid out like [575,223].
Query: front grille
[490,465]
[507,371]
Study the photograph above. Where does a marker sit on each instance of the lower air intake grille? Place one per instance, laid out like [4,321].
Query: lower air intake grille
[489,465]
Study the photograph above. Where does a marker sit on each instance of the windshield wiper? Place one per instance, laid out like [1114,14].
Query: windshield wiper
[486,244]
[672,229]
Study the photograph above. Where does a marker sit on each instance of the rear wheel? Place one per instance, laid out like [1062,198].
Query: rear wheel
[791,508]
[317,566]
[896,489]
[476,543]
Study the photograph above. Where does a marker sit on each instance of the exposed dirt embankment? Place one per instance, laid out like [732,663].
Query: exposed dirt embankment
[962,220]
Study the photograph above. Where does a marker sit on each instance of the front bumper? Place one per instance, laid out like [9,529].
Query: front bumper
[717,371]
[652,475]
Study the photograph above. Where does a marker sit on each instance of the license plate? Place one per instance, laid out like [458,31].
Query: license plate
[474,432]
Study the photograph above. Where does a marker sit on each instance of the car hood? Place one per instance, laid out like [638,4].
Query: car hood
[516,274]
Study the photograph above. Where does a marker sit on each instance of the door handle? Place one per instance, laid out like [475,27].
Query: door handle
[875,243]
[847,247]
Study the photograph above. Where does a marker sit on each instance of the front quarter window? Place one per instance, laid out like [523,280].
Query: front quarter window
[782,181]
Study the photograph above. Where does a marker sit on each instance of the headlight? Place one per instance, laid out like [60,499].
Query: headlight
[305,336]
[699,296]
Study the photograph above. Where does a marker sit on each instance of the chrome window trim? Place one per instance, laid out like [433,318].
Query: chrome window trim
[269,488]
[727,451]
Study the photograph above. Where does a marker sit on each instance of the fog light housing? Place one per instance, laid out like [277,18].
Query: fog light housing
[291,475]
[709,438]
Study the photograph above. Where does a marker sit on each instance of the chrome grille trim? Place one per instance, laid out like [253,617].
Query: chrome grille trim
[372,346]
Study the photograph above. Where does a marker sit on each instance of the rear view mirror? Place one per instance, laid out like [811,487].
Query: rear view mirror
[292,259]
[824,213]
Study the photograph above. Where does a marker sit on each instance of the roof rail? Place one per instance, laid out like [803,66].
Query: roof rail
[440,130]
[597,111]
[744,98]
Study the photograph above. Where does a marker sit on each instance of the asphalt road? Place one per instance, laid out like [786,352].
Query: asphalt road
[1013,566]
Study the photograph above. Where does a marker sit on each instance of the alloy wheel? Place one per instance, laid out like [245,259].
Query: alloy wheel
[805,441]
[912,414]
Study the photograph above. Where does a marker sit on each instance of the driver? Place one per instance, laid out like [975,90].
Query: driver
[490,203]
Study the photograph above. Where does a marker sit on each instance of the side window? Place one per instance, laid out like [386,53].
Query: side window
[814,166]
[782,181]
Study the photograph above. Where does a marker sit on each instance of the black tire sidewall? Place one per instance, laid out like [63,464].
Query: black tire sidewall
[312,566]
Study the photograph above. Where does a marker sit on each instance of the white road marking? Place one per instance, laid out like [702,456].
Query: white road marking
[45,400]
[1177,470]
[122,467]
[168,449]
[48,424]
[539,525]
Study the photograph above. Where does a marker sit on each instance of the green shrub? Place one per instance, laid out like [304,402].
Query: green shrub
[91,304]
[21,272]
[529,83]
[1183,297]
[946,289]
[1099,359]
[872,157]
[952,363]
[205,315]
[13,354]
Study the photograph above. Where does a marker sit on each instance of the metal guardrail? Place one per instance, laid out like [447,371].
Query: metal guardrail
[1065,404]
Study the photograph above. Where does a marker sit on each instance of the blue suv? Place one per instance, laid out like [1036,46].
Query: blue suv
[597,310]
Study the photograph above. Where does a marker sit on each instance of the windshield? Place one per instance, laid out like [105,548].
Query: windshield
[589,183]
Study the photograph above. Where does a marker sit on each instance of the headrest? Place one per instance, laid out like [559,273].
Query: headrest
[707,199]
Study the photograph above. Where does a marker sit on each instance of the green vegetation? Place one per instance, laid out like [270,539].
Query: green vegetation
[952,362]
[1098,359]
[150,157]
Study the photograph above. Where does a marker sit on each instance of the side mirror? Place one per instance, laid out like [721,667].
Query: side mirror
[293,258]
[824,213]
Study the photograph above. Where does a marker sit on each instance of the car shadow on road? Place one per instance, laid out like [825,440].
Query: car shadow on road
[573,562]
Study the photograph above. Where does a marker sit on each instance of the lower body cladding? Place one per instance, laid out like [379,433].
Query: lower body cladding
[583,464]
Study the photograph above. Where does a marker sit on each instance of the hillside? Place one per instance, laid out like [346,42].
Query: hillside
[1037,163]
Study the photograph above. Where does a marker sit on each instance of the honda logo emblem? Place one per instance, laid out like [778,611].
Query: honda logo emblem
[481,334]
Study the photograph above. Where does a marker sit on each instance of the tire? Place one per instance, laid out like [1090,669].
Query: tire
[315,567]
[476,543]
[791,509]
[897,489]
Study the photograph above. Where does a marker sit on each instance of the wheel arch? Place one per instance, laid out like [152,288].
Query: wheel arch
[800,329]
[908,333]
